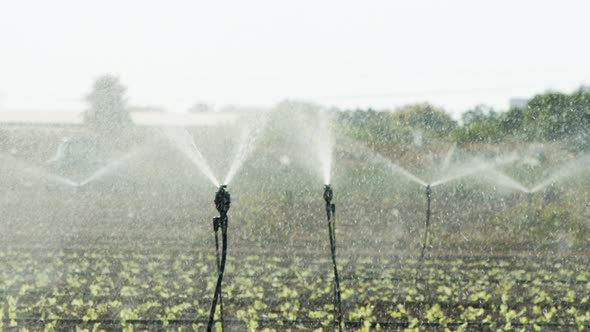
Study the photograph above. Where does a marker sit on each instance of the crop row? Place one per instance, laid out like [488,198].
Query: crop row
[265,290]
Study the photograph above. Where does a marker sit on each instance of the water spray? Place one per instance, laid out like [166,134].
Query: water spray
[427,228]
[331,214]
[222,203]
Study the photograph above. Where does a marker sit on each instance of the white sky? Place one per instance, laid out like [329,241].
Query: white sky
[383,54]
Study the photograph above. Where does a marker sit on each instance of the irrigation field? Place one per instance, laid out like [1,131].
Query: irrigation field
[134,250]
[278,288]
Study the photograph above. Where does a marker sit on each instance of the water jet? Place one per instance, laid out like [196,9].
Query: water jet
[249,139]
[568,170]
[113,166]
[37,172]
[184,142]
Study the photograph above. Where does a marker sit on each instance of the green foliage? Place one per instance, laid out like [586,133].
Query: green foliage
[512,121]
[454,291]
[486,131]
[418,126]
[548,117]
[372,127]
[558,116]
[480,125]
[432,122]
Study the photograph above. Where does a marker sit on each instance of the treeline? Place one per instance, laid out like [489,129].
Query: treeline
[549,117]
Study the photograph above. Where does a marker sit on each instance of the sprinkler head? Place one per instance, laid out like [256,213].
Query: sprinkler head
[428,190]
[222,199]
[328,194]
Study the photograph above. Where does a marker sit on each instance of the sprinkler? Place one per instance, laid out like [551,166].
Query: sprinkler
[331,214]
[427,228]
[222,203]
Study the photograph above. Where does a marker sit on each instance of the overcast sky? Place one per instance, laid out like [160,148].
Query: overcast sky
[381,54]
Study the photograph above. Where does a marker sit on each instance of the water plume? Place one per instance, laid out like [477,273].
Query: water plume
[184,142]
[249,138]
[470,168]
[39,172]
[308,127]
[325,144]
[568,170]
[400,170]
[502,179]
[113,165]
[474,167]
[377,158]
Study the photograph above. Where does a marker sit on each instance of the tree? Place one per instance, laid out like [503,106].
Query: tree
[372,127]
[477,114]
[480,125]
[512,121]
[108,113]
[485,130]
[547,116]
[423,119]
[556,116]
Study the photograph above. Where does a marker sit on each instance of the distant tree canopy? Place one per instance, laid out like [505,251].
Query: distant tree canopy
[430,121]
[108,112]
[479,125]
[370,126]
[557,116]
[551,116]
[547,117]
[412,124]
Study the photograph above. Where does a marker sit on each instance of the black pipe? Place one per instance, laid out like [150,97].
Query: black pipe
[331,214]
[427,228]
[222,204]
[530,208]
[216,226]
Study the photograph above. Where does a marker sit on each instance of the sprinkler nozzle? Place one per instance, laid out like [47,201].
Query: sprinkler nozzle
[222,200]
[328,194]
[428,190]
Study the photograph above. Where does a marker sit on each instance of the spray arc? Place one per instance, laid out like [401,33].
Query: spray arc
[331,214]
[222,204]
